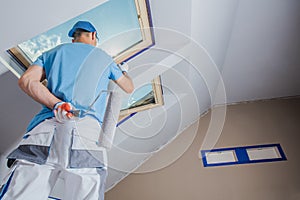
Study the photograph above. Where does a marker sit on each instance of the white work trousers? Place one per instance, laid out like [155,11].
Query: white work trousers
[31,181]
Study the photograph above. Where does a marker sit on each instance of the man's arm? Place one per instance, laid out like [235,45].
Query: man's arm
[125,83]
[30,83]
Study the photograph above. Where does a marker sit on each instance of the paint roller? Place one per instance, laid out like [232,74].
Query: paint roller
[110,120]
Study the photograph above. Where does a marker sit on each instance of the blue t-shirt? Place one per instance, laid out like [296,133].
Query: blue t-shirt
[77,73]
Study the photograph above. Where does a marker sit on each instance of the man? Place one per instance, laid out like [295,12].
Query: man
[56,143]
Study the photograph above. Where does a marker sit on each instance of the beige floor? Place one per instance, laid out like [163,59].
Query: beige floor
[260,122]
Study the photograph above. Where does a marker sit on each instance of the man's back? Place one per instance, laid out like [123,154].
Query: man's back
[76,73]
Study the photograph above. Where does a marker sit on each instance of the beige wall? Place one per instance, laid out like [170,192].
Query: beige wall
[261,122]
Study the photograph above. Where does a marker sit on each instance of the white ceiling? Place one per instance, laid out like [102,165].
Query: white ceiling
[262,59]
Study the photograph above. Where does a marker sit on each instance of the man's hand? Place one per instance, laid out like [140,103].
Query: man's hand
[123,67]
[62,111]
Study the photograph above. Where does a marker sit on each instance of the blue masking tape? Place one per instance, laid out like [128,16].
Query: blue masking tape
[242,155]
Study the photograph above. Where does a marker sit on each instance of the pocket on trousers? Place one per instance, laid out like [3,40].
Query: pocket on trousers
[35,144]
[40,135]
[85,151]
[86,135]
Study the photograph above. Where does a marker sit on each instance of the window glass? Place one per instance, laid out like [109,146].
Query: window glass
[141,96]
[116,21]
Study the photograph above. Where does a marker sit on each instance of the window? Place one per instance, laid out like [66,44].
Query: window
[124,29]
[143,98]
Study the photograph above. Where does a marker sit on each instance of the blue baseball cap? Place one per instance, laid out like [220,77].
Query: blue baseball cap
[85,25]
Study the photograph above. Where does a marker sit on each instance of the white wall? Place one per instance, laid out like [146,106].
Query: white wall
[213,21]
[263,55]
[172,15]
[212,25]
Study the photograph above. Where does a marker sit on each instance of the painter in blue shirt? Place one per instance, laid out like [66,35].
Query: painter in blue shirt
[55,145]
